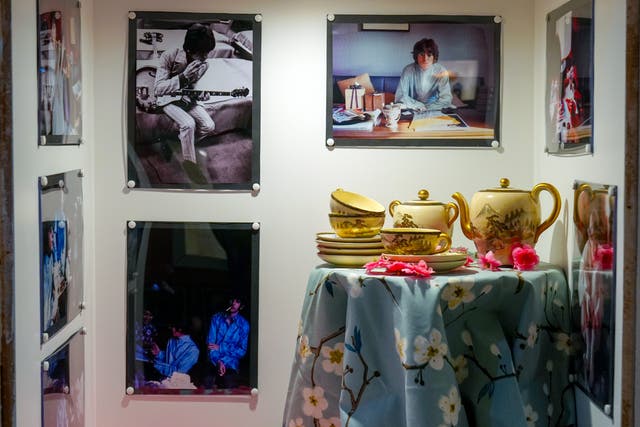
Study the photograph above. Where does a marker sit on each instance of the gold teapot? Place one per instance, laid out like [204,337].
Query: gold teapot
[498,218]
[592,205]
[424,213]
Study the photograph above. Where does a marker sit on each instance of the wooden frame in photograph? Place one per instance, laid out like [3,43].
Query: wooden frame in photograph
[192,308]
[61,251]
[569,93]
[59,72]
[372,70]
[193,100]
[594,284]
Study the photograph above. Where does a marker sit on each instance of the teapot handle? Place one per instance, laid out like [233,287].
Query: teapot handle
[443,238]
[392,206]
[451,207]
[576,195]
[557,203]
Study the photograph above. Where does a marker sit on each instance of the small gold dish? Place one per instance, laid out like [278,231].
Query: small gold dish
[356,225]
[412,241]
[348,203]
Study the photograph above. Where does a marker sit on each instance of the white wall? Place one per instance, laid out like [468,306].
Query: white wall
[30,162]
[298,173]
[605,166]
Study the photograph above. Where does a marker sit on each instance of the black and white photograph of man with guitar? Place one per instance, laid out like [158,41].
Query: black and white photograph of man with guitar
[194,112]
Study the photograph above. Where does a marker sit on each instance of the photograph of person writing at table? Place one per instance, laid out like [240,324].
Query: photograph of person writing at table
[424,84]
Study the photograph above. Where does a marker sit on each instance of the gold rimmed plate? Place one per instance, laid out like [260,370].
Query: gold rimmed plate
[348,245]
[347,260]
[445,266]
[376,252]
[429,259]
[332,237]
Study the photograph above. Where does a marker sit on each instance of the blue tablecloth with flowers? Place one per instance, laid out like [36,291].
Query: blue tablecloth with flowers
[471,347]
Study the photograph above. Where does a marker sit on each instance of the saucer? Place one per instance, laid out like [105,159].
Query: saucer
[429,259]
[331,237]
[331,251]
[348,245]
[347,260]
[445,266]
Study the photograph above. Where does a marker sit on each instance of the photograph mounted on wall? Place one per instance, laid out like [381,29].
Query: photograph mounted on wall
[192,307]
[62,386]
[193,100]
[59,72]
[594,284]
[570,79]
[396,81]
[61,269]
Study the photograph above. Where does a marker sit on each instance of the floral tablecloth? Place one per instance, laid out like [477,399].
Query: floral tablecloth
[471,347]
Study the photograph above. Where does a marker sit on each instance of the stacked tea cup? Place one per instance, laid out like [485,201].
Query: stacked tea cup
[356,221]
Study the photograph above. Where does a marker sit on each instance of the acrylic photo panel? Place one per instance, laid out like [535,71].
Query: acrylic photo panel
[61,251]
[594,278]
[62,385]
[193,120]
[192,307]
[397,81]
[59,72]
[569,104]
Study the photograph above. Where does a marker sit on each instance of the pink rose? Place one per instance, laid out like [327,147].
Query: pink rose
[524,258]
[489,262]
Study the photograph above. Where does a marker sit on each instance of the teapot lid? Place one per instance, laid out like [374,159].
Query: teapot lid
[504,188]
[423,195]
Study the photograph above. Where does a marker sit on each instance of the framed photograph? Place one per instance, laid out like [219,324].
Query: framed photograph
[192,307]
[594,279]
[59,72]
[61,265]
[397,81]
[569,115]
[62,385]
[193,100]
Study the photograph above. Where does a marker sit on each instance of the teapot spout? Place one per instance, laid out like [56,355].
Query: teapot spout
[465,222]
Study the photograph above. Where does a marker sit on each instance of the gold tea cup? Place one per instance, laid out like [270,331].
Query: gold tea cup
[356,225]
[414,241]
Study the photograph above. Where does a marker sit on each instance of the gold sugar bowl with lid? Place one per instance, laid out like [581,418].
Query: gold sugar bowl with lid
[424,213]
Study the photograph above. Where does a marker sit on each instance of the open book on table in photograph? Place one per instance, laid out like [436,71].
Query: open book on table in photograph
[351,120]
[435,120]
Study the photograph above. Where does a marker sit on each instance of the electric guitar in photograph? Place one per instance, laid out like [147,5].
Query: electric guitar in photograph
[146,100]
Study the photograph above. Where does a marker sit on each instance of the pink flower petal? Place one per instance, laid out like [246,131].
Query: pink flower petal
[489,262]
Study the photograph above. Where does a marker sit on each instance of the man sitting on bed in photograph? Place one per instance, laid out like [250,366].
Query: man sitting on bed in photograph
[227,343]
[424,84]
[178,70]
[179,356]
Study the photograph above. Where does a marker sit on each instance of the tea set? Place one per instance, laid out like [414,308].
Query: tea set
[496,220]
